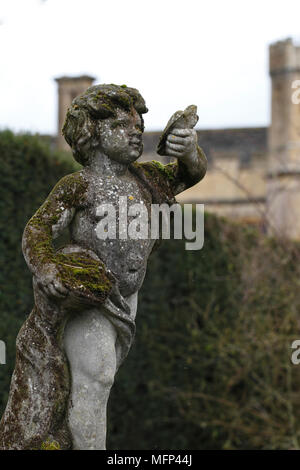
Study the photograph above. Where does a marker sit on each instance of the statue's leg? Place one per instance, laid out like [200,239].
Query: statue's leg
[89,343]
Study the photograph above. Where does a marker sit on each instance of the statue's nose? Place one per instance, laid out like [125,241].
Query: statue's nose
[136,132]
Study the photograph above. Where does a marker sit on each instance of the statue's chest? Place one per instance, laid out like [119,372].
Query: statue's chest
[120,194]
[116,225]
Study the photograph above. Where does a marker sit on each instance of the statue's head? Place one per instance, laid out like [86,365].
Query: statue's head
[106,118]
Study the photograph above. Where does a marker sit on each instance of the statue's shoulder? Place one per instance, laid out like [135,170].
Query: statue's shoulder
[73,180]
[72,188]
[154,169]
[156,173]
[157,177]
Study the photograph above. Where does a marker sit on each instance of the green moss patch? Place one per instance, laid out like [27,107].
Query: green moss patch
[83,274]
[50,445]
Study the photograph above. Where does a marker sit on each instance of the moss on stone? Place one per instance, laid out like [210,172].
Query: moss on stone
[165,170]
[77,271]
[158,179]
[83,274]
[50,445]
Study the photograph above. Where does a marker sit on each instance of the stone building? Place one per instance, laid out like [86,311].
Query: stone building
[254,173]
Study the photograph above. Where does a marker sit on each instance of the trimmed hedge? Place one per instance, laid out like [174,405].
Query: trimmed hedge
[210,367]
[211,364]
[28,171]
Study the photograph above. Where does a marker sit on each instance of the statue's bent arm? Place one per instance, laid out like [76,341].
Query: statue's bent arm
[47,224]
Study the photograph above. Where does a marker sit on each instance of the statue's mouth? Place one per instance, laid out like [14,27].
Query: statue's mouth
[136,143]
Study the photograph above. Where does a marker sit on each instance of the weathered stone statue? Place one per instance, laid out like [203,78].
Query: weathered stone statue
[83,321]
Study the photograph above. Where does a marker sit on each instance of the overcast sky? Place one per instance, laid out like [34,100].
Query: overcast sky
[211,53]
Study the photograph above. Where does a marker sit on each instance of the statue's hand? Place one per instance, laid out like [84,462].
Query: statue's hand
[50,283]
[182,144]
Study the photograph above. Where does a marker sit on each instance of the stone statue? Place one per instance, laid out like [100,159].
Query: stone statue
[83,321]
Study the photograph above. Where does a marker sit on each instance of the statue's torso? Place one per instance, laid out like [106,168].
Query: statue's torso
[126,258]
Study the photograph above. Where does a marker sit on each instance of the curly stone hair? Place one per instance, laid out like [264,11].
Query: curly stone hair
[96,103]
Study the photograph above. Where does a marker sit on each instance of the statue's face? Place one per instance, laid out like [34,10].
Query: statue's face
[121,136]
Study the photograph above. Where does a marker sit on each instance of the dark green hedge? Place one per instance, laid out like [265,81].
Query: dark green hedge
[28,171]
[210,367]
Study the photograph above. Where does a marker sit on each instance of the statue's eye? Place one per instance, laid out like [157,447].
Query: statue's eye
[114,125]
[117,124]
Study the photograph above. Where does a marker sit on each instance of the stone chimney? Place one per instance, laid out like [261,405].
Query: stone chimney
[283,179]
[68,89]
